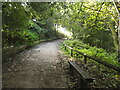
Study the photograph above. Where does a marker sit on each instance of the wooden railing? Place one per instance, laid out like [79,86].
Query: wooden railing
[84,79]
[90,57]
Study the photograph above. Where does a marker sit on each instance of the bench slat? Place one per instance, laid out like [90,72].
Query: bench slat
[84,74]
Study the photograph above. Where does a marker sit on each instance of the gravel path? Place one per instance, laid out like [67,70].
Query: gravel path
[38,67]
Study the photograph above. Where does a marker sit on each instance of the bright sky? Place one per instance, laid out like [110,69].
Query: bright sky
[64,31]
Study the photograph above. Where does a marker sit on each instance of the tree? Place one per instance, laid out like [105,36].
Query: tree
[117,6]
[89,22]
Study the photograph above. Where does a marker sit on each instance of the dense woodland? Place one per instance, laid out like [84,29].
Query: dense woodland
[93,23]
[24,24]
[94,26]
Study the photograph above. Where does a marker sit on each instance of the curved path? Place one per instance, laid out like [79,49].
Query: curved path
[38,67]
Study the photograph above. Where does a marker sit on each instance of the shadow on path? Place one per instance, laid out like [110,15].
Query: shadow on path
[38,67]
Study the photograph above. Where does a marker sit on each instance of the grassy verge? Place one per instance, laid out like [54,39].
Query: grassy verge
[98,53]
[104,77]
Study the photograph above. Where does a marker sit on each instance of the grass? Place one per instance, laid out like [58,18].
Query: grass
[98,53]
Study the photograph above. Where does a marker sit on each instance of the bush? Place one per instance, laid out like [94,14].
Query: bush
[98,53]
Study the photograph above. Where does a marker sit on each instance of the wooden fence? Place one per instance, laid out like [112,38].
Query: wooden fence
[90,57]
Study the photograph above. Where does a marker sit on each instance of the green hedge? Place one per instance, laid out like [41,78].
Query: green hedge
[98,53]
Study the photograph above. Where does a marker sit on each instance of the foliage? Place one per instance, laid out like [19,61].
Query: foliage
[14,15]
[89,22]
[19,26]
[92,51]
[94,23]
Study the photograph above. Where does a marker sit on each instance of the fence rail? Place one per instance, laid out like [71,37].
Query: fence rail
[90,57]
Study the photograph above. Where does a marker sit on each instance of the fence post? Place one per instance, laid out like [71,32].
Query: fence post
[71,53]
[85,59]
[65,47]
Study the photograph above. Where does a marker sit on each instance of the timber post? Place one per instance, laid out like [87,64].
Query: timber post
[65,47]
[71,53]
[85,59]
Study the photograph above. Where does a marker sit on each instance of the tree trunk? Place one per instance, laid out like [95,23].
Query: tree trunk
[115,2]
[115,39]
[119,39]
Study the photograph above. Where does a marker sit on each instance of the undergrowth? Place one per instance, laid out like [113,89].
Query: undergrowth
[104,77]
[98,53]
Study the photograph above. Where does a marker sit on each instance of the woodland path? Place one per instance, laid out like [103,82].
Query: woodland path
[38,67]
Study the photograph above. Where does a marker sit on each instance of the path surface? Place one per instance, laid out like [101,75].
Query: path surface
[38,67]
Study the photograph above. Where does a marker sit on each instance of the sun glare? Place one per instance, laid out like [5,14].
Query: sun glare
[64,31]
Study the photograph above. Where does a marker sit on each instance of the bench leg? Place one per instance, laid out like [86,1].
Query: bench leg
[71,70]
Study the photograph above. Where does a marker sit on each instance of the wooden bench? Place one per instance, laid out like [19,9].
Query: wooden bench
[86,78]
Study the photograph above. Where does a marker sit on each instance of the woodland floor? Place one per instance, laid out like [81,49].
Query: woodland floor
[38,67]
[45,66]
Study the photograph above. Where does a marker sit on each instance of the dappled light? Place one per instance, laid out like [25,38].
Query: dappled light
[64,31]
[61,44]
